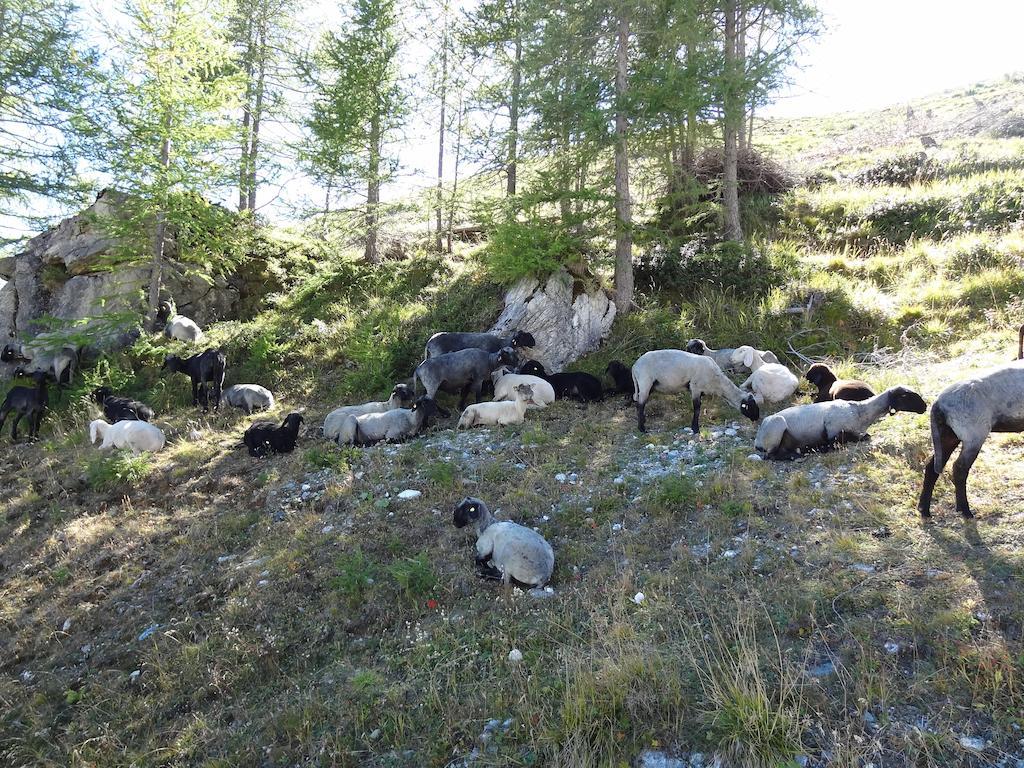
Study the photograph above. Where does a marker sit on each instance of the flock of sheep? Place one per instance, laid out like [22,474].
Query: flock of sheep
[480,363]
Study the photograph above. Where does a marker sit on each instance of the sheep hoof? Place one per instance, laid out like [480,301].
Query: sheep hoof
[966,513]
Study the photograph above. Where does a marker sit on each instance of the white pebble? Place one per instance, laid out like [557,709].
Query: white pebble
[67,625]
[515,655]
[972,743]
[755,457]
[135,675]
[560,477]
[619,480]
[409,493]
[638,598]
[891,647]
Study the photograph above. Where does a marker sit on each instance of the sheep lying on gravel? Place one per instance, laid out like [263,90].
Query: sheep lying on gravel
[965,413]
[265,437]
[499,412]
[568,384]
[464,371]
[249,397]
[136,435]
[394,425]
[506,550]
[831,388]
[505,383]
[724,357]
[401,396]
[770,382]
[785,434]
[118,408]
[672,370]
[443,343]
[26,401]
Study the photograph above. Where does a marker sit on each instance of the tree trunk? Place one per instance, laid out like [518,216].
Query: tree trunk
[373,190]
[440,135]
[730,187]
[455,179]
[623,205]
[243,163]
[257,115]
[513,110]
[741,66]
[159,236]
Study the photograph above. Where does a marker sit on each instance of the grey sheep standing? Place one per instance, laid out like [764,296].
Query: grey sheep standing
[444,343]
[464,372]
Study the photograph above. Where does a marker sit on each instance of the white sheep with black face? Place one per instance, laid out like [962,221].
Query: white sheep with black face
[770,382]
[393,426]
[785,434]
[513,551]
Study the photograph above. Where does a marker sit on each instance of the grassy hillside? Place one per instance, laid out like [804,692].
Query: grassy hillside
[198,607]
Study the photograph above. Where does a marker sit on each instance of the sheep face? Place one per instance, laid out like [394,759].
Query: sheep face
[525,392]
[171,363]
[820,376]
[404,392]
[427,406]
[615,367]
[696,347]
[467,511]
[532,368]
[101,393]
[523,339]
[507,356]
[8,353]
[293,420]
[750,408]
[744,356]
[904,399]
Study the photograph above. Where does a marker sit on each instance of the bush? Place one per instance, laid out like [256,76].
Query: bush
[535,247]
[897,170]
[121,468]
[414,576]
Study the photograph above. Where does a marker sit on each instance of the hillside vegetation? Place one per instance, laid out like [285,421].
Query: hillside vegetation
[199,607]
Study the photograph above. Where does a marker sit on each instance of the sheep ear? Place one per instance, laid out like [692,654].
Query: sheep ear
[748,357]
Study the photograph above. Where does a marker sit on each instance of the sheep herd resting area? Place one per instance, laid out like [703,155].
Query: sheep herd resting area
[199,607]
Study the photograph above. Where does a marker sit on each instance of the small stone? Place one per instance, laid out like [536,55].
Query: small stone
[515,655]
[306,486]
[359,475]
[972,743]
[755,457]
[619,480]
[67,625]
[262,583]
[863,567]
[639,597]
[409,493]
[891,647]
[375,734]
[134,675]
[560,477]
[730,432]
[148,631]
[327,529]
[729,554]
[617,527]
[225,558]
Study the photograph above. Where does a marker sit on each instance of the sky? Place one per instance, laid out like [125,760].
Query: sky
[876,53]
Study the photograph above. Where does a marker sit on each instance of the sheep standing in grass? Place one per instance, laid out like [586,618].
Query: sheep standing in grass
[265,437]
[672,370]
[770,382]
[136,435]
[832,388]
[784,435]
[26,401]
[401,395]
[249,397]
[394,425]
[505,549]
[500,412]
[464,372]
[965,413]
[505,383]
[724,357]
[443,343]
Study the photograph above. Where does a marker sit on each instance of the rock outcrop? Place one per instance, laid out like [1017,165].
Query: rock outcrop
[565,318]
[64,273]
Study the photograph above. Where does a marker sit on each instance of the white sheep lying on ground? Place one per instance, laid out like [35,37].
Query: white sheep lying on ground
[336,419]
[770,382]
[505,383]
[514,551]
[138,436]
[249,397]
[499,412]
[821,425]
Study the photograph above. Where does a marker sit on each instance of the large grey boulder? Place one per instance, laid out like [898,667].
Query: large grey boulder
[566,319]
[64,273]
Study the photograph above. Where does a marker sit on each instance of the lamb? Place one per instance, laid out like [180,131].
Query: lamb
[394,425]
[623,379]
[463,371]
[964,413]
[249,397]
[506,382]
[60,361]
[205,368]
[178,326]
[506,550]
[823,425]
[724,357]
[500,412]
[832,388]
[266,437]
[400,396]
[26,401]
[118,408]
[771,382]
[673,370]
[573,384]
[138,436]
[443,343]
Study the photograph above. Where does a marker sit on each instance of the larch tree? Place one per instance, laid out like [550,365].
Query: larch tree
[732,118]
[358,105]
[164,132]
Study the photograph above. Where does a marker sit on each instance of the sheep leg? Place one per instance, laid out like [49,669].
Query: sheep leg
[465,396]
[961,468]
[3,417]
[948,442]
[695,424]
[14,426]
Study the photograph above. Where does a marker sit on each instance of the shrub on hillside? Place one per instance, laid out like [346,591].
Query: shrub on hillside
[695,267]
[534,247]
[897,171]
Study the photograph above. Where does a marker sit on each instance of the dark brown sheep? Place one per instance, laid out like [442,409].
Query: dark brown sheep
[831,388]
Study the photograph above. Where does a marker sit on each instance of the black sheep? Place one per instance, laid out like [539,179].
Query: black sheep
[26,401]
[266,436]
[623,379]
[117,408]
[573,384]
[831,388]
[205,368]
